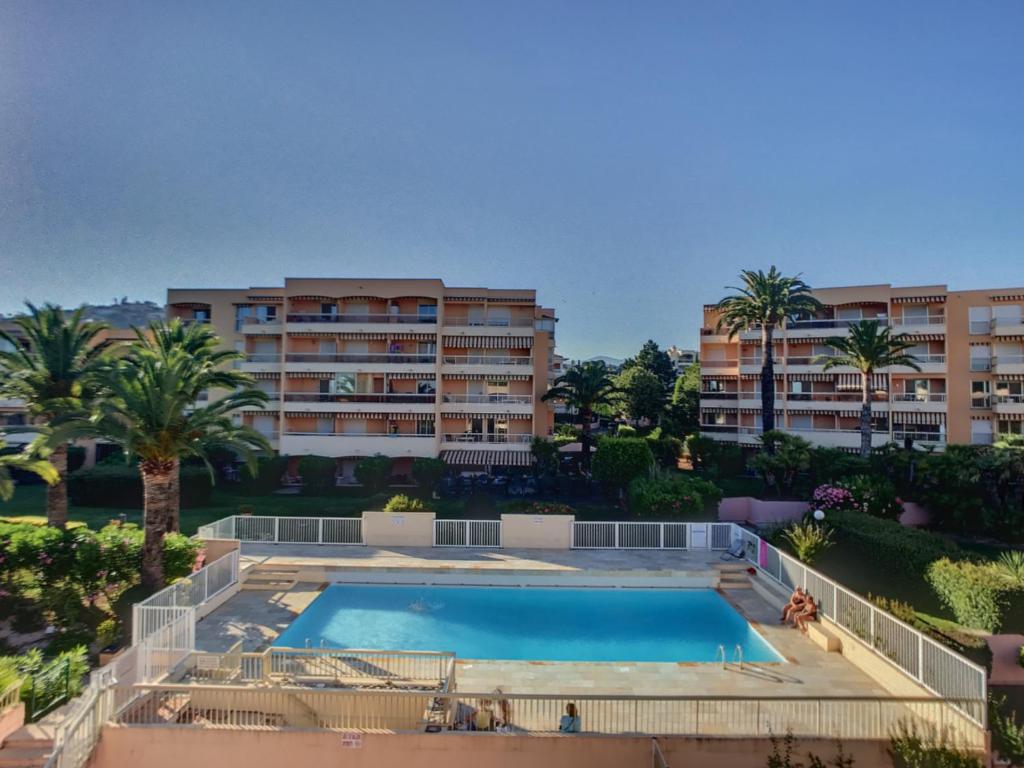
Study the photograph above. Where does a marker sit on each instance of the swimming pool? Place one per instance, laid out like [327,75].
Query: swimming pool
[535,623]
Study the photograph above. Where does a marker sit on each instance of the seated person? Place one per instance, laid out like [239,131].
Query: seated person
[795,604]
[483,718]
[808,613]
[570,722]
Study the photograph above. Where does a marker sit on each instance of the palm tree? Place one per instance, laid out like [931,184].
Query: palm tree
[50,367]
[765,301]
[584,387]
[31,459]
[148,408]
[868,347]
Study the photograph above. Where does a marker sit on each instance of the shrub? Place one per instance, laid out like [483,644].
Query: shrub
[831,498]
[120,486]
[541,508]
[672,494]
[666,450]
[977,593]
[886,541]
[545,455]
[403,503]
[1007,733]
[179,555]
[1011,565]
[702,451]
[903,611]
[875,495]
[834,465]
[317,474]
[269,471]
[428,472]
[782,458]
[373,472]
[908,749]
[618,460]
[625,430]
[808,540]
[107,633]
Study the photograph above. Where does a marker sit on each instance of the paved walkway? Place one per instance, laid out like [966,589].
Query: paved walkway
[1006,668]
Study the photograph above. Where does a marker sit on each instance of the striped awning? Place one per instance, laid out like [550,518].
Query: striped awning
[847,381]
[487,458]
[917,299]
[718,409]
[407,375]
[778,376]
[1010,416]
[489,342]
[408,335]
[808,377]
[493,415]
[921,335]
[254,298]
[758,410]
[487,376]
[918,417]
[190,305]
[324,375]
[1008,297]
[1010,376]
[729,376]
[311,297]
[266,375]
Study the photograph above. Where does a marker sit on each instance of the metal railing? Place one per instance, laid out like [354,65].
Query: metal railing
[287,530]
[1006,322]
[489,322]
[365,317]
[356,435]
[919,320]
[393,358]
[724,395]
[657,756]
[488,399]
[358,397]
[931,438]
[467,533]
[487,360]
[1007,360]
[1009,399]
[719,363]
[637,535]
[263,357]
[815,323]
[913,397]
[848,718]
[931,664]
[10,696]
[482,437]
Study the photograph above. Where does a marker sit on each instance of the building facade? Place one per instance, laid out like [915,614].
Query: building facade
[404,368]
[681,358]
[968,344]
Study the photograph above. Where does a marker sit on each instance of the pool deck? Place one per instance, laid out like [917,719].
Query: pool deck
[257,617]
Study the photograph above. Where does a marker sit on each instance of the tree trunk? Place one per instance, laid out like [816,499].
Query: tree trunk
[158,487]
[865,415]
[585,439]
[57,494]
[174,512]
[767,380]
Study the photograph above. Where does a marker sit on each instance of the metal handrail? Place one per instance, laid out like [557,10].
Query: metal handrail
[370,317]
[358,397]
[499,399]
[482,437]
[486,360]
[510,322]
[291,433]
[360,357]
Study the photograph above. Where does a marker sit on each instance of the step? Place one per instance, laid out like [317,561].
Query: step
[21,742]
[276,585]
[23,757]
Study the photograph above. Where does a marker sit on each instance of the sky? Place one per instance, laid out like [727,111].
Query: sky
[626,159]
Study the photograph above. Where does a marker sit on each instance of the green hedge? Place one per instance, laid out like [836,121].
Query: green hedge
[666,450]
[977,593]
[120,486]
[907,549]
[618,460]
[672,495]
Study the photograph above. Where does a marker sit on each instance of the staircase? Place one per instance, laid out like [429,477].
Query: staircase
[275,578]
[27,747]
[732,576]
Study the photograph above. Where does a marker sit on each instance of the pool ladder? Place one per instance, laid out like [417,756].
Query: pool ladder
[737,655]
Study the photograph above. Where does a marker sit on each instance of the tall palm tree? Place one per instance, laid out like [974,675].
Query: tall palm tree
[31,459]
[148,408]
[765,301]
[868,347]
[584,387]
[50,366]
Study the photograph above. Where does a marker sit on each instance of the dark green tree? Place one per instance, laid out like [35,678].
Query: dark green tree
[654,359]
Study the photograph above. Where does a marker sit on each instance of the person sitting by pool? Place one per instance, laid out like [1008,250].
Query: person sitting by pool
[809,613]
[795,604]
[570,722]
[503,721]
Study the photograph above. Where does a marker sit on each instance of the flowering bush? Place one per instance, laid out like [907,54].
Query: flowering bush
[547,508]
[831,497]
[672,494]
[862,493]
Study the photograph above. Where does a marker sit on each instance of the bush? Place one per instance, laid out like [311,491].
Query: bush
[875,495]
[886,541]
[808,540]
[545,456]
[1011,565]
[625,430]
[1007,733]
[317,473]
[908,749]
[619,460]
[403,503]
[782,457]
[666,450]
[903,611]
[179,555]
[120,486]
[672,494]
[269,471]
[428,472]
[977,593]
[830,498]
[834,465]
[373,472]
[540,508]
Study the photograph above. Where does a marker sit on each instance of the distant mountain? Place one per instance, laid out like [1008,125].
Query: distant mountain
[121,314]
[611,362]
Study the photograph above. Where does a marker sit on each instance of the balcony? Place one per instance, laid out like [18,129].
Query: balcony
[715,336]
[336,444]
[724,433]
[356,323]
[828,438]
[359,402]
[360,362]
[917,403]
[1007,326]
[927,364]
[806,329]
[828,401]
[272,404]
[1007,364]
[719,367]
[483,403]
[483,441]
[719,399]
[918,325]
[1008,404]
[486,364]
[932,440]
[261,363]
[266,326]
[12,402]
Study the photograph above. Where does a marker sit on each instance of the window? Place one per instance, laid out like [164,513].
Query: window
[1010,427]
[201,315]
[981,432]
[341,384]
[980,320]
[266,313]
[500,317]
[1006,315]
[981,357]
[324,426]
[918,388]
[426,387]
[426,348]
[915,314]
[1009,392]
[427,313]
[242,311]
[980,394]
[801,421]
[329,309]
[424,427]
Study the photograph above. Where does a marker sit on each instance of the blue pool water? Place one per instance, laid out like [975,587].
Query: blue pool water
[529,623]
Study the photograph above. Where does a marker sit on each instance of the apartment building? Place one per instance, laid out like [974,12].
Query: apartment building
[404,368]
[681,358]
[968,344]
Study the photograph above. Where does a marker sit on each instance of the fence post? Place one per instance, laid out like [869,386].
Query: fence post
[277,525]
[616,535]
[920,657]
[320,531]
[661,535]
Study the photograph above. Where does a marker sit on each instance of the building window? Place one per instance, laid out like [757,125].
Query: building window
[427,313]
[1011,427]
[242,311]
[981,394]
[426,387]
[981,357]
[424,427]
[980,320]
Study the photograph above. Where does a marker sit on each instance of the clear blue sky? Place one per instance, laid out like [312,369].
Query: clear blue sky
[627,159]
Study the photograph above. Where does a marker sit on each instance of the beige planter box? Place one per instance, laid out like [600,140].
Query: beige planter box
[398,529]
[536,531]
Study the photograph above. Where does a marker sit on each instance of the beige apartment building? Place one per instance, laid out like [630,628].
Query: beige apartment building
[404,368]
[970,389]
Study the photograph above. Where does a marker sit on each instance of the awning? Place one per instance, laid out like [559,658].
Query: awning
[915,417]
[492,415]
[487,458]
[190,305]
[266,375]
[1009,416]
[917,299]
[808,377]
[408,335]
[311,297]
[847,381]
[489,342]
[487,376]
[406,375]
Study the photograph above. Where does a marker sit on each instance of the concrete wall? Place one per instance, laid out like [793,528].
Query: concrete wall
[914,515]
[536,531]
[737,509]
[398,529]
[217,548]
[11,719]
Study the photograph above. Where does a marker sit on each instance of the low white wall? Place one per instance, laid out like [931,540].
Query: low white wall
[398,529]
[536,531]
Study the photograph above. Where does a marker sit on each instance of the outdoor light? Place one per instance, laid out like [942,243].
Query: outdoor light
[819,514]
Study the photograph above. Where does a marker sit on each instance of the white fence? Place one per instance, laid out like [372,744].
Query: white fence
[287,530]
[635,535]
[930,663]
[467,533]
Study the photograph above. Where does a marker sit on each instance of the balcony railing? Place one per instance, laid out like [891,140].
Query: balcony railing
[315,317]
[719,427]
[1007,360]
[821,359]
[486,360]
[982,363]
[718,363]
[905,322]
[1010,399]
[816,323]
[720,395]
[293,433]
[481,437]
[400,358]
[980,327]
[1006,322]
[358,397]
[828,397]
[490,322]
[263,357]
[933,438]
[914,397]
[496,399]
